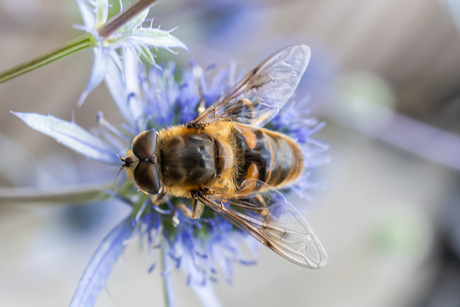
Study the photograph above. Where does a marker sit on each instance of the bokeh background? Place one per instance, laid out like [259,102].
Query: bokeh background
[384,76]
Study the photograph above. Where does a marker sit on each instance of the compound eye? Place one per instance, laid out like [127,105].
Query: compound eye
[145,144]
[147,177]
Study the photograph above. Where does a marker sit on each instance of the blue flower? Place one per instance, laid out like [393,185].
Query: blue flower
[133,35]
[148,98]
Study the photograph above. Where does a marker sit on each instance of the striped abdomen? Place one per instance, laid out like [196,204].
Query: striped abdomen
[267,156]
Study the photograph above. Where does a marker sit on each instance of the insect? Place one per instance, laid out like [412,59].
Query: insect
[226,161]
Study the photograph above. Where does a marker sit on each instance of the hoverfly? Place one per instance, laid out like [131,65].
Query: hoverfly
[226,161]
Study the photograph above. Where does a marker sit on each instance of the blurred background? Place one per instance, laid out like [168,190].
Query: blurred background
[385,77]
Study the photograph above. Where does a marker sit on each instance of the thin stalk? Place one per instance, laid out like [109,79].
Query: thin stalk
[123,17]
[83,42]
[78,194]
[78,44]
[170,300]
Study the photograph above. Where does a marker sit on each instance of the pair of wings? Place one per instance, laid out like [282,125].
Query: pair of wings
[267,216]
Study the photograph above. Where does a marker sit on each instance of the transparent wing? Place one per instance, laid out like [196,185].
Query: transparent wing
[271,219]
[258,97]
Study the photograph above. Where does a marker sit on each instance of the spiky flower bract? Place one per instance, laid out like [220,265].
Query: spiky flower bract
[133,35]
[205,249]
[108,38]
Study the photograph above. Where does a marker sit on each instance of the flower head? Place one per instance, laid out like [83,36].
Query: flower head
[205,249]
[132,35]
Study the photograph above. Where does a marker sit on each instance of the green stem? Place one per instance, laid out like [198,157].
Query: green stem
[81,43]
[170,300]
[78,44]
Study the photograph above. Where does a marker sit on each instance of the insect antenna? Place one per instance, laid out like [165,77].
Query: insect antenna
[119,171]
[125,164]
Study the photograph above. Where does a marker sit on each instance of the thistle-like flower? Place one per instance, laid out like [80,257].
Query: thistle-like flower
[205,249]
[108,39]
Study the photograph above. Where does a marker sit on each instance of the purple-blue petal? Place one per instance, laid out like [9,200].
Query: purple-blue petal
[86,13]
[95,276]
[115,81]
[97,73]
[71,135]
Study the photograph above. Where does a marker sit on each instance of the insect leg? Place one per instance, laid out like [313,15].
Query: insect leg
[195,213]
[241,106]
[157,199]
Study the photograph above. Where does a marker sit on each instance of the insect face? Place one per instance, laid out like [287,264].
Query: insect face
[141,163]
